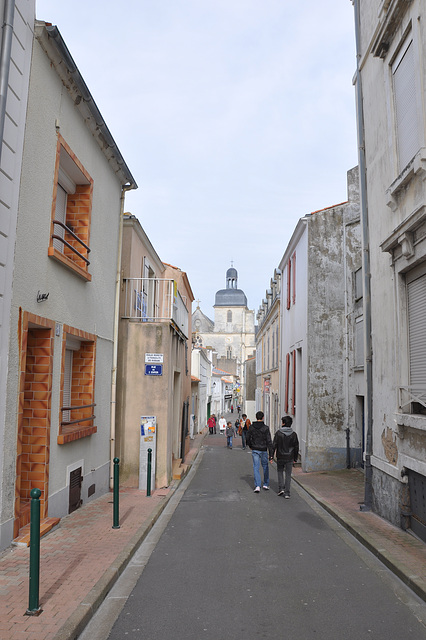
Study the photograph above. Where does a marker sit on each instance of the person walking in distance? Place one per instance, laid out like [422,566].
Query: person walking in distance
[222,424]
[286,448]
[243,429]
[229,434]
[260,442]
[211,423]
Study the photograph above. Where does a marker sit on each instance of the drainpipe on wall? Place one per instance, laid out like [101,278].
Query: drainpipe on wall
[346,376]
[115,335]
[6,48]
[368,487]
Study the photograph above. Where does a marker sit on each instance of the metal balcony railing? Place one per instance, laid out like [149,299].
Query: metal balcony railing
[67,413]
[60,238]
[154,300]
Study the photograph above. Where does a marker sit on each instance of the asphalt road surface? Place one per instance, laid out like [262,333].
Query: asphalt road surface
[230,563]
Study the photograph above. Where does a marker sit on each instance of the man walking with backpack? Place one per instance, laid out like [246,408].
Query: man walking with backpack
[286,447]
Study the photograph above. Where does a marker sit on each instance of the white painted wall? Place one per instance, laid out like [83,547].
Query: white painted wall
[293,327]
[88,306]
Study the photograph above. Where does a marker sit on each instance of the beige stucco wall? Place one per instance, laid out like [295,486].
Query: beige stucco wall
[141,395]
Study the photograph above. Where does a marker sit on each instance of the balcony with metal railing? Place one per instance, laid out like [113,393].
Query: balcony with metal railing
[412,400]
[154,300]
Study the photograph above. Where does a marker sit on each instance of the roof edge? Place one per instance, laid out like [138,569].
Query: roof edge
[55,48]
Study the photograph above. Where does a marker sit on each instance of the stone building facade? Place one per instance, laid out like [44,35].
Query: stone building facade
[321,379]
[391,93]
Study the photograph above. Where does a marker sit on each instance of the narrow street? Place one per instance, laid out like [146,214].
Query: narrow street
[234,564]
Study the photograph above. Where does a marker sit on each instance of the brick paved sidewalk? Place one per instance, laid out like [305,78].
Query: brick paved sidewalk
[79,562]
[341,493]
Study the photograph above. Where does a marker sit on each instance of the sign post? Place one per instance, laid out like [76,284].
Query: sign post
[148,440]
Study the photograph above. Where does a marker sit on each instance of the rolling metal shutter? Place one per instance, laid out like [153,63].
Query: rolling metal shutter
[407,125]
[60,215]
[416,293]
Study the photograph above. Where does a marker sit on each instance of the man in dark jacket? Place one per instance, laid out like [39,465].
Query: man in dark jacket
[260,442]
[286,447]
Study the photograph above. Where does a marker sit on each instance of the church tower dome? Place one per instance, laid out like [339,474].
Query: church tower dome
[231,296]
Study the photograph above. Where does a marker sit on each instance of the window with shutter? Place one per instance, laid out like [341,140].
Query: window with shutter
[289,284]
[405,100]
[71,212]
[60,216]
[416,301]
[66,398]
[287,382]
[359,341]
[78,385]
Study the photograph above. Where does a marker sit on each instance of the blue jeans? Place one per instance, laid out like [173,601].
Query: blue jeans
[243,438]
[260,457]
[229,441]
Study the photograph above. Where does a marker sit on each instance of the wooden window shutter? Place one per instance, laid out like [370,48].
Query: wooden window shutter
[287,375]
[293,398]
[294,276]
[289,284]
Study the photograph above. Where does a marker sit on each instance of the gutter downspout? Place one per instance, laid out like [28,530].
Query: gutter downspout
[346,376]
[115,335]
[368,487]
[6,48]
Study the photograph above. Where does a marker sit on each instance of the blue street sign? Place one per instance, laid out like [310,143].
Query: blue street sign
[153,369]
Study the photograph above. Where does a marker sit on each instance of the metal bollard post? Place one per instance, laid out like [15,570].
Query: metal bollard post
[116,517]
[148,479]
[33,606]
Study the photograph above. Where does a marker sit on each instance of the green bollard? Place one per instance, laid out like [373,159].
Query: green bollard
[148,478]
[33,606]
[116,517]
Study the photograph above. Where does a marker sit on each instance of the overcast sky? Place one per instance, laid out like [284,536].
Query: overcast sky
[236,118]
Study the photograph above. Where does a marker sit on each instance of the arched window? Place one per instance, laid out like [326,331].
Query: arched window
[229,316]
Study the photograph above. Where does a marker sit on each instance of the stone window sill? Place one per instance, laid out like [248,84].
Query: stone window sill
[410,420]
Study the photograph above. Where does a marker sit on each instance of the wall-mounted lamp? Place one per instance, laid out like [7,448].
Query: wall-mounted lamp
[41,297]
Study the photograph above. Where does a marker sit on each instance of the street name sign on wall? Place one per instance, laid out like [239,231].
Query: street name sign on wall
[153,369]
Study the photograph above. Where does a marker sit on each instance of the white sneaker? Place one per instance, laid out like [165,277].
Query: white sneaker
[257,490]
[265,487]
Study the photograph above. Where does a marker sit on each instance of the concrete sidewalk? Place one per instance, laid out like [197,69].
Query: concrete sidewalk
[83,557]
[341,493]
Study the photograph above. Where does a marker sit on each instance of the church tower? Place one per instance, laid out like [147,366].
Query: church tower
[231,335]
